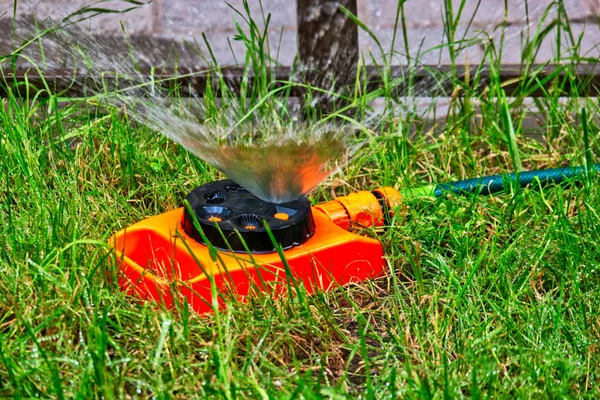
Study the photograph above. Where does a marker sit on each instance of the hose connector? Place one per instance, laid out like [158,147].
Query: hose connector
[363,209]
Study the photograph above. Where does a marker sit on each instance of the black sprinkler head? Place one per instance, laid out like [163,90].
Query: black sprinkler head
[227,206]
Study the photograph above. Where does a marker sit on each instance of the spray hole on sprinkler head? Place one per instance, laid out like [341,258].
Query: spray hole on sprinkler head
[213,213]
[250,222]
[215,197]
[234,188]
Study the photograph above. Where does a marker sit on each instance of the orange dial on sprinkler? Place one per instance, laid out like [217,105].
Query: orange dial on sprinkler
[168,258]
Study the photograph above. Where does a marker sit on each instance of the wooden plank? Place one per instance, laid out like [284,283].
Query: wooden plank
[327,45]
[582,80]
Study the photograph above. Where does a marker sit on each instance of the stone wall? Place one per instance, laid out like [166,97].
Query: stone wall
[162,22]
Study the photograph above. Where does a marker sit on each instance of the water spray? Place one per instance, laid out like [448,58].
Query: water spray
[228,241]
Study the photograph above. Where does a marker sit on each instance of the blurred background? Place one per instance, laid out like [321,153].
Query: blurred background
[160,26]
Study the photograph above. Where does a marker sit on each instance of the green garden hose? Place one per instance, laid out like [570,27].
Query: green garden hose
[486,185]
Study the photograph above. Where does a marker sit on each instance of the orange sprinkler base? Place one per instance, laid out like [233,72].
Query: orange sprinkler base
[159,261]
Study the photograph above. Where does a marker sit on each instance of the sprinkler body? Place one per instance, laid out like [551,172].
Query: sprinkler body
[222,248]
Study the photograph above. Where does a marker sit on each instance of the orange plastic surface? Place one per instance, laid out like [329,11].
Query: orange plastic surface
[159,261]
[282,216]
[363,208]
[392,197]
[336,213]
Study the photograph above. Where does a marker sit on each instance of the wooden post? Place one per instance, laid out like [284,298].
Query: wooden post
[327,46]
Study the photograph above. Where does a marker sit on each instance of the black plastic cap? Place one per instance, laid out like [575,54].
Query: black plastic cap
[231,207]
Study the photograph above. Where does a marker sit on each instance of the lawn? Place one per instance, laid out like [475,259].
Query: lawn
[495,296]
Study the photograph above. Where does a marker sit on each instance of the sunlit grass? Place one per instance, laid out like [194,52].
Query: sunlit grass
[485,296]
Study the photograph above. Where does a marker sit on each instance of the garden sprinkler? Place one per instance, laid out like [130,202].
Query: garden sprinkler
[226,240]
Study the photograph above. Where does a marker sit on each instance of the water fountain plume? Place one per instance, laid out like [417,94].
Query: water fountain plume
[283,169]
[277,159]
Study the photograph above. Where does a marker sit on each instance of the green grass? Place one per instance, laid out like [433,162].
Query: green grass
[486,297]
